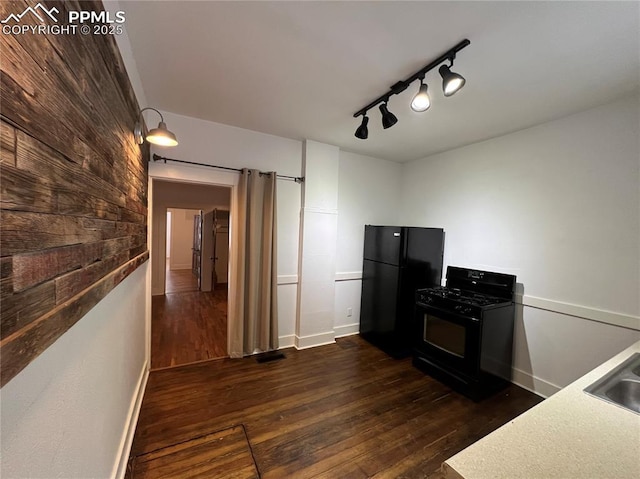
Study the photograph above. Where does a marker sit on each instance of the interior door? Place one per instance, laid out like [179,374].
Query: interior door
[207,257]
[196,257]
[221,247]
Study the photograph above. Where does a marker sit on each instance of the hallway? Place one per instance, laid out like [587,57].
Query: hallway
[187,326]
[180,281]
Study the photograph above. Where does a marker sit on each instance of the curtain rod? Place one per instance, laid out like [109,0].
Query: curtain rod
[297,179]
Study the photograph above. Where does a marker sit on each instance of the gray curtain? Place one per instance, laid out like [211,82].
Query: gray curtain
[254,323]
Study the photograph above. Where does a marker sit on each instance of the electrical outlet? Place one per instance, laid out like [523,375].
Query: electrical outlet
[349,312]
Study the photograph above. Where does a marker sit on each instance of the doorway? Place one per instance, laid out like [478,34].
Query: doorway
[183,243]
[189,304]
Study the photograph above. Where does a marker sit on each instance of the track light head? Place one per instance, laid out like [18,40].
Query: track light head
[451,82]
[388,118]
[363,132]
[421,102]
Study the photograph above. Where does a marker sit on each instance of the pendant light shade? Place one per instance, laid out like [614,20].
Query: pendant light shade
[388,118]
[161,136]
[363,132]
[421,102]
[158,136]
[451,82]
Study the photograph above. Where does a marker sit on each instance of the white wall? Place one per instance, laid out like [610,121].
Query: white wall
[558,205]
[368,193]
[217,144]
[67,413]
[181,238]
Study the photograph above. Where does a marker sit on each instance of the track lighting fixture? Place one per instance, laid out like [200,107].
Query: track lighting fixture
[451,83]
[388,118]
[158,136]
[421,102]
[363,132]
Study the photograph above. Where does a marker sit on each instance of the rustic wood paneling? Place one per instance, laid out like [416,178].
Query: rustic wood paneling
[20,309]
[70,284]
[73,216]
[7,144]
[34,268]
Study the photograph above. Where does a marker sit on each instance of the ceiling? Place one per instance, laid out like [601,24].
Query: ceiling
[301,69]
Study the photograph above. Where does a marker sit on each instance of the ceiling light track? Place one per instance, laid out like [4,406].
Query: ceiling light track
[451,83]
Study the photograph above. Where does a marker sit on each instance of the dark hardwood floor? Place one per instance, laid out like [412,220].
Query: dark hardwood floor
[223,453]
[188,327]
[180,281]
[345,410]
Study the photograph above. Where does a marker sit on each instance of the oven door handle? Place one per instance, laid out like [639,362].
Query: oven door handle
[448,312]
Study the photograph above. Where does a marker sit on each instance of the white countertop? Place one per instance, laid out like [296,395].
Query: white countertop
[569,435]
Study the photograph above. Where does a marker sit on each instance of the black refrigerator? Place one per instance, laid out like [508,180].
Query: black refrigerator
[397,261]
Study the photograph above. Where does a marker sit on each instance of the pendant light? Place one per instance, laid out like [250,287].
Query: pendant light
[363,132]
[421,101]
[158,136]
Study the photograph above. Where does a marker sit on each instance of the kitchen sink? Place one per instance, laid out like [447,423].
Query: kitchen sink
[621,385]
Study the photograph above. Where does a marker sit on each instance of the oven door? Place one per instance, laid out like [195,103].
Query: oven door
[449,339]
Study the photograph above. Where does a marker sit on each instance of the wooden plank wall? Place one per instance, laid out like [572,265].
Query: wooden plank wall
[73,217]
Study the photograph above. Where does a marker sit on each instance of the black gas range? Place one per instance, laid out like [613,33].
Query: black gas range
[464,330]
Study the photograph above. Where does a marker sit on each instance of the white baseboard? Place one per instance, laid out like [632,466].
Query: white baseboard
[120,466]
[346,330]
[287,341]
[179,266]
[532,383]
[313,340]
